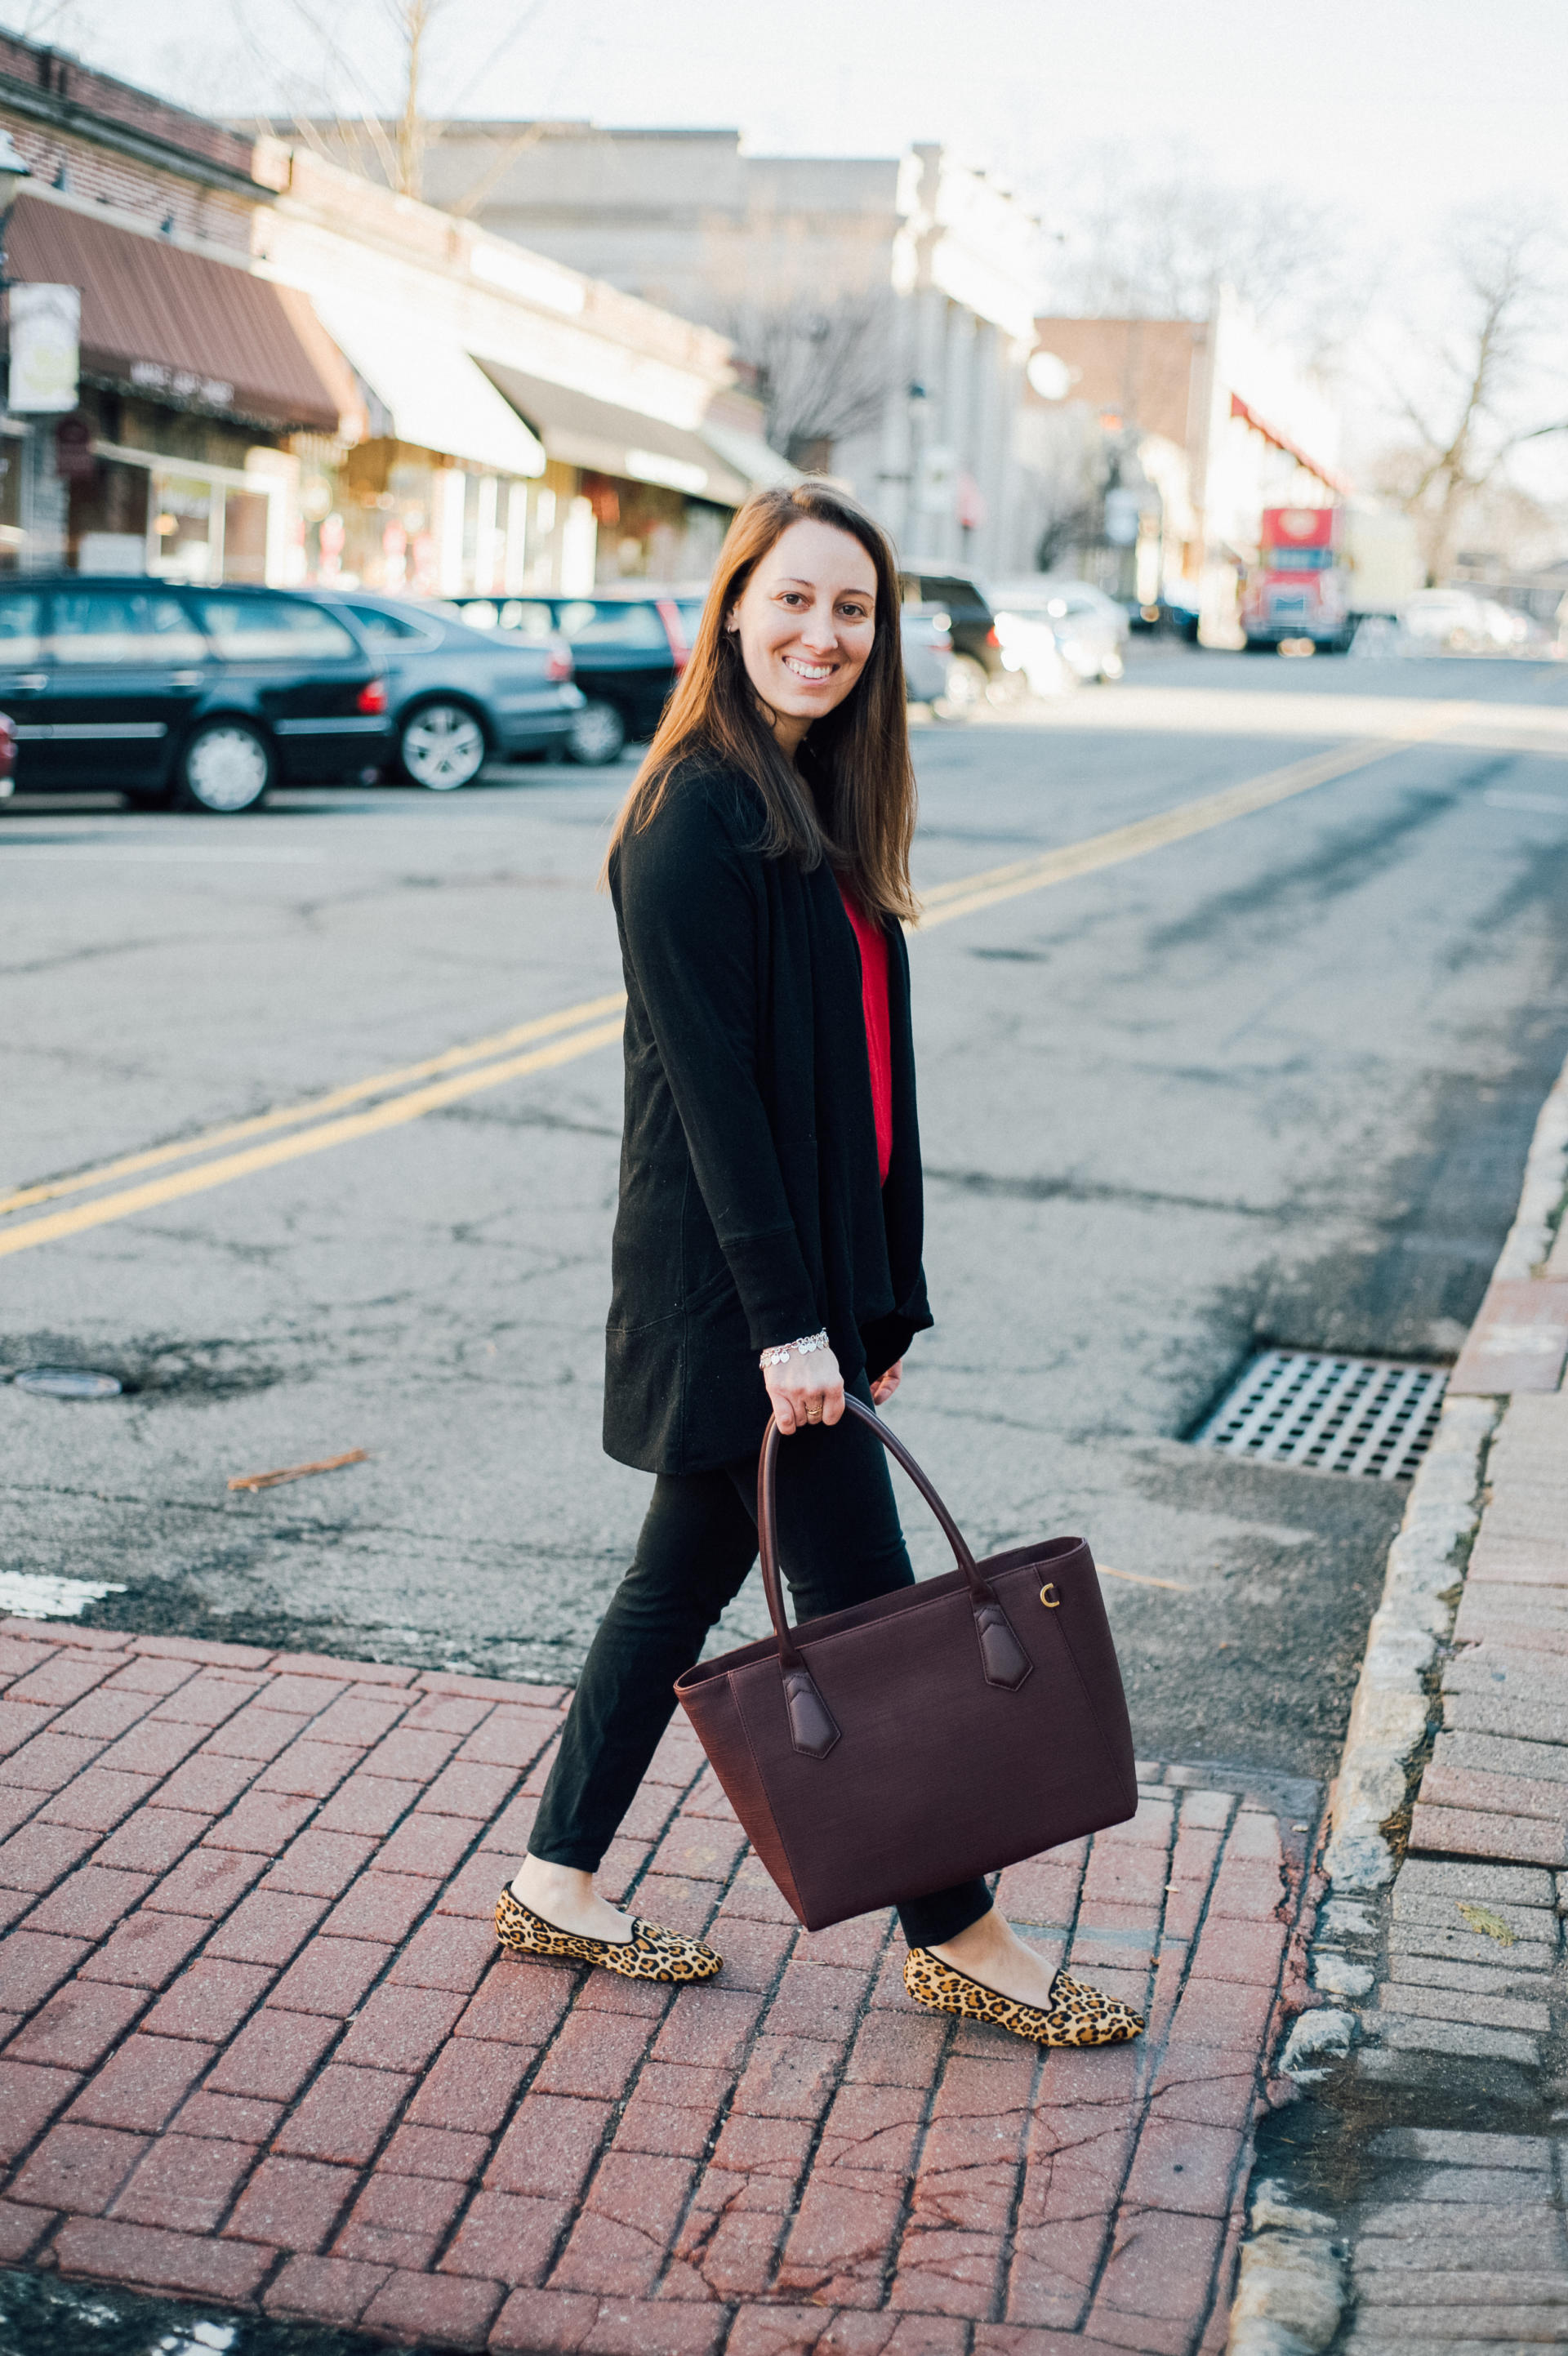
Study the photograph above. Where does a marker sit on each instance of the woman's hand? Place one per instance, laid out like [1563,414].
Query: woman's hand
[883,1388]
[805,1390]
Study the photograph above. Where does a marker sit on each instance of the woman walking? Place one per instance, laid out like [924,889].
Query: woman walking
[767,1252]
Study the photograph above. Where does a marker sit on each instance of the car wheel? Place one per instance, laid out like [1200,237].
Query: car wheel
[225,768]
[597,735]
[968,683]
[442,746]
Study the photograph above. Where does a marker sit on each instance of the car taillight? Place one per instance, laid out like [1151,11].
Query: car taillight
[557,663]
[372,697]
[991,637]
[670,614]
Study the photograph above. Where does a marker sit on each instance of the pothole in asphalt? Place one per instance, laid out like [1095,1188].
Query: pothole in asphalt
[1329,1413]
[67,1382]
[55,1366]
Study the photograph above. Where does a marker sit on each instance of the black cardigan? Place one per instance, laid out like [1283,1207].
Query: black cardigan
[750,1212]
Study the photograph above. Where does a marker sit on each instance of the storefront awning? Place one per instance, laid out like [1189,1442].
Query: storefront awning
[180,326]
[583,432]
[750,455]
[1249,416]
[432,391]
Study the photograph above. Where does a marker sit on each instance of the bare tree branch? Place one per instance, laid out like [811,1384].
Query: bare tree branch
[1501,269]
[824,369]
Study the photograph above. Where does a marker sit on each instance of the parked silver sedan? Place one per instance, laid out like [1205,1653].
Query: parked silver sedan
[1088,627]
[926,629]
[458,697]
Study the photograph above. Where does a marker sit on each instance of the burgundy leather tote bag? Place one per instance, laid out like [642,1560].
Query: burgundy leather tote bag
[941,1732]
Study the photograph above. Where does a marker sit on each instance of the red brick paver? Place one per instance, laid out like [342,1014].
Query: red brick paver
[260,2048]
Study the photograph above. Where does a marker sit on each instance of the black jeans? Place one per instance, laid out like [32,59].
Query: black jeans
[839,1543]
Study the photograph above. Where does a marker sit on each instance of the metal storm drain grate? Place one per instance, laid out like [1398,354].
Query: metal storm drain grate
[1372,1416]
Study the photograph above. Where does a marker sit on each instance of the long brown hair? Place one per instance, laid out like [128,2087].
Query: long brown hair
[860,748]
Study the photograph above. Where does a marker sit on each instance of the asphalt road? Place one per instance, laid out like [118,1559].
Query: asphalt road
[1273,1081]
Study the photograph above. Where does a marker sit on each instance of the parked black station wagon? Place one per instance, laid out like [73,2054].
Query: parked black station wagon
[169,692]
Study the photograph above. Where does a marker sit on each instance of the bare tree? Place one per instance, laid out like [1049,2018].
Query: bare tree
[343,109]
[45,20]
[1461,395]
[1136,241]
[825,369]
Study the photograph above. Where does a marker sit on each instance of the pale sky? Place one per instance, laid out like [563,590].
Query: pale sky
[1393,112]
[1401,107]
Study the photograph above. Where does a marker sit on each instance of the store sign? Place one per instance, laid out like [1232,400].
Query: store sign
[183,383]
[46,327]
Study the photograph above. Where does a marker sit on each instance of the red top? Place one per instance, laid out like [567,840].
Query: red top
[873,943]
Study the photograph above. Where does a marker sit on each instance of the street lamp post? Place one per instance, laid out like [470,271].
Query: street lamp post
[14,170]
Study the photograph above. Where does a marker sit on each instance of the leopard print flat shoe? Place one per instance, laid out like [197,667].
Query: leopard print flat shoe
[1075,2014]
[650,1953]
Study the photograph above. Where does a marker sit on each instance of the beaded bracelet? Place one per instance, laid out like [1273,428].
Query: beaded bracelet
[804,1347]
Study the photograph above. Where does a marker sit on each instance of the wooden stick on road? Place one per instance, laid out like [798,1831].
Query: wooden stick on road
[1135,1577]
[297,1472]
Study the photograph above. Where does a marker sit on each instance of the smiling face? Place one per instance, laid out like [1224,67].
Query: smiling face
[806,621]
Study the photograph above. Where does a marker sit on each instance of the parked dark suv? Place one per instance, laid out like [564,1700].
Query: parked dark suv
[169,692]
[628,648]
[977,650]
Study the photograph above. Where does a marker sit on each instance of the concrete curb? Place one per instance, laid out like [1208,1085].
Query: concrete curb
[1392,1709]
[1291,2284]
[1291,2291]
[1531,1247]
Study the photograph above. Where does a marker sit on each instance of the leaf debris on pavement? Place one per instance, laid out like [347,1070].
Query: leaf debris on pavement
[1481,1918]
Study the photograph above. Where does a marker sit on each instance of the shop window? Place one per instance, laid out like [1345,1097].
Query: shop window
[110,625]
[11,533]
[183,526]
[245,535]
[273,630]
[108,520]
[21,625]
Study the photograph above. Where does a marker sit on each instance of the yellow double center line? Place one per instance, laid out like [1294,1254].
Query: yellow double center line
[324,1134]
[318,1123]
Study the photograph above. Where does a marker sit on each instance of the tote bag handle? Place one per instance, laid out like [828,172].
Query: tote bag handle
[1002,1659]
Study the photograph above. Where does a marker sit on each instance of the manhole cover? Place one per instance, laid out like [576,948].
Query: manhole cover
[1372,1416]
[67,1382]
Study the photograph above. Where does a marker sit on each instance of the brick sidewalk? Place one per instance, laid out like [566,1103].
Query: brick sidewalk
[260,2048]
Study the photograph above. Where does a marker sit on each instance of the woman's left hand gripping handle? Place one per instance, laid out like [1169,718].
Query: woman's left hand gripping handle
[806,1388]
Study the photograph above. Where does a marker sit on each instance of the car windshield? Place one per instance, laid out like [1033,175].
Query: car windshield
[958,596]
[529,616]
[274,629]
[115,626]
[587,622]
[377,623]
[21,617]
